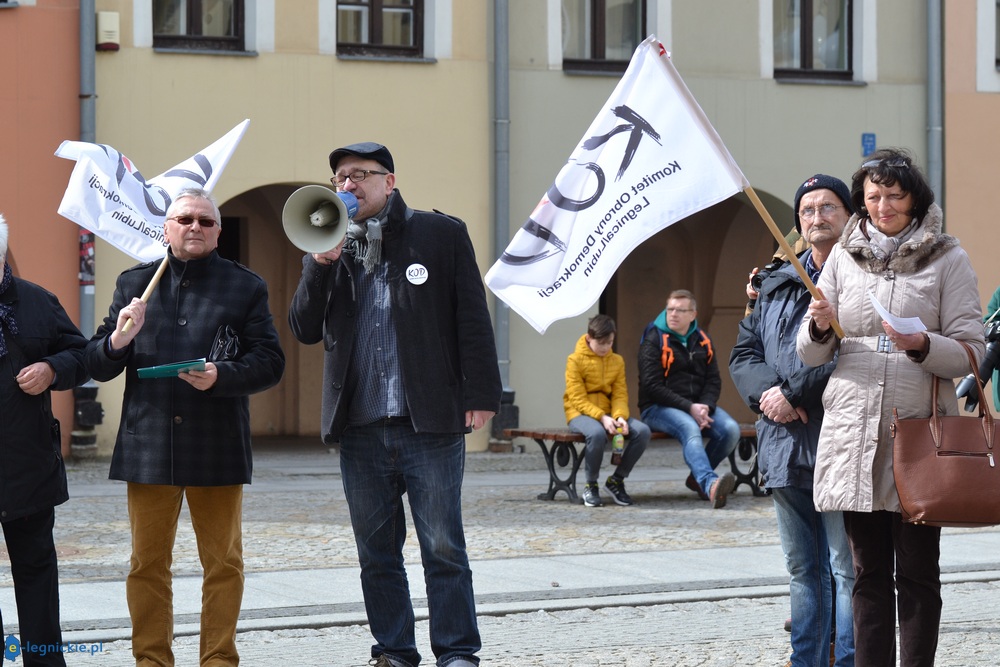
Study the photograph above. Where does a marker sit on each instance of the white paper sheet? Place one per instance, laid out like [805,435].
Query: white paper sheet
[903,325]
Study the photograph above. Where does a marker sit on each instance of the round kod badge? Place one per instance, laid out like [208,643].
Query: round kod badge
[416,274]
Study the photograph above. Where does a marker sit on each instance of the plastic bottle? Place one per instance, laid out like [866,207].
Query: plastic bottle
[617,447]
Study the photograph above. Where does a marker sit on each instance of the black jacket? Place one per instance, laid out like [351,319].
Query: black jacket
[445,336]
[32,473]
[693,376]
[170,432]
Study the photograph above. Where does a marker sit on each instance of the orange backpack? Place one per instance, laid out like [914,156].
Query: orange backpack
[667,353]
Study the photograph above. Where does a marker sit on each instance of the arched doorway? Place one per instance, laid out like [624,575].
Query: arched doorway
[292,407]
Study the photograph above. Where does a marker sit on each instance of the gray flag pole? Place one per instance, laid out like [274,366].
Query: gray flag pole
[87,411]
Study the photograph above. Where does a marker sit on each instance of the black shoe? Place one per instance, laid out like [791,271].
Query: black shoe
[616,487]
[592,496]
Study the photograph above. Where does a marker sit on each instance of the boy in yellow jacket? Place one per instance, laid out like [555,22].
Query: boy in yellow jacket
[596,405]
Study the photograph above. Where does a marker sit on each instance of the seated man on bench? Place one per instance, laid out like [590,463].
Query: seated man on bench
[596,405]
[679,385]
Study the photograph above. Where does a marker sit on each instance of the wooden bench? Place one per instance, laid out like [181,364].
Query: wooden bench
[563,458]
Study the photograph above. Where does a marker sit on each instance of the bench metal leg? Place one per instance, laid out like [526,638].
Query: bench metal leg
[562,454]
[746,451]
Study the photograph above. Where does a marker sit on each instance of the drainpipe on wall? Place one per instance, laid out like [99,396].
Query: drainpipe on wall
[508,415]
[935,102]
[88,412]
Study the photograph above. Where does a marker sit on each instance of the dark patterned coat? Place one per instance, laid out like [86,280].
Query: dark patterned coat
[170,432]
[32,472]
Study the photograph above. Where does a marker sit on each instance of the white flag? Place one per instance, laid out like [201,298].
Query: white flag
[108,196]
[649,159]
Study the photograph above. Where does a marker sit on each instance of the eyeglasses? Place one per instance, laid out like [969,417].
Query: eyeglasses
[188,220]
[680,310]
[356,176]
[826,210]
[897,162]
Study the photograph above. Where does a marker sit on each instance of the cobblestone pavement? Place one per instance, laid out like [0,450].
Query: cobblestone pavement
[295,518]
[726,633]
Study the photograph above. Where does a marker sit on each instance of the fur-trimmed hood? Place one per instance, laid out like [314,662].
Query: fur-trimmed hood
[927,244]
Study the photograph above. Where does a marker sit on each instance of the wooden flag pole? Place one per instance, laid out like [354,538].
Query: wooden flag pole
[787,249]
[150,287]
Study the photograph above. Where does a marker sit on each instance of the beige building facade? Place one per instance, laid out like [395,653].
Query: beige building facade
[780,131]
[159,104]
[308,83]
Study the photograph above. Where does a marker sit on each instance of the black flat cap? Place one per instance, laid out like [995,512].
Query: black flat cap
[366,149]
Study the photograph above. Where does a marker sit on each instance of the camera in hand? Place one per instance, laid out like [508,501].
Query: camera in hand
[758,278]
[966,388]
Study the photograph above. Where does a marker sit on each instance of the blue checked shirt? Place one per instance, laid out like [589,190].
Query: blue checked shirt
[374,370]
[811,270]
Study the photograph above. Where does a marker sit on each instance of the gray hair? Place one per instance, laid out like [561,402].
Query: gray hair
[197,193]
[4,232]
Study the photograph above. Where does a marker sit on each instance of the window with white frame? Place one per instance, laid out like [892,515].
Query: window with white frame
[813,39]
[213,25]
[380,27]
[601,35]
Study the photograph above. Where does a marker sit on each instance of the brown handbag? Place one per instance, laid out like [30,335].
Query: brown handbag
[944,466]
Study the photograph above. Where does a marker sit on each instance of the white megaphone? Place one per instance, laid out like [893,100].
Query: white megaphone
[315,217]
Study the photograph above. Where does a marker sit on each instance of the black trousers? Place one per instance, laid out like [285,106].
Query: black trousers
[896,566]
[35,572]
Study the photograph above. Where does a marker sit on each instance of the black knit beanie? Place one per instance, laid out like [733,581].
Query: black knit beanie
[822,182]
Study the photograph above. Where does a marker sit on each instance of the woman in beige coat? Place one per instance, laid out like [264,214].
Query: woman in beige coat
[894,250]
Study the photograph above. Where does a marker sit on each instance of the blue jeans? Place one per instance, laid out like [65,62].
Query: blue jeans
[723,435]
[815,544]
[379,463]
[597,438]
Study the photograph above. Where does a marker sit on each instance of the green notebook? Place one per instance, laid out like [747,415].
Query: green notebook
[171,370]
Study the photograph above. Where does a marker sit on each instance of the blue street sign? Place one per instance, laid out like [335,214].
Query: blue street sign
[867,143]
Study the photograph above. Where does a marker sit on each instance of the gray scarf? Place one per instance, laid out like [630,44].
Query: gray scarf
[884,247]
[364,240]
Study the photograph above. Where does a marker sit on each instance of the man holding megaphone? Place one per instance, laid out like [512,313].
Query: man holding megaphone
[410,367]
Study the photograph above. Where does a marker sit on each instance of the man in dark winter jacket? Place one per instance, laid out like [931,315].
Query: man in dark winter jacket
[187,436]
[679,386]
[774,382]
[40,350]
[410,367]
